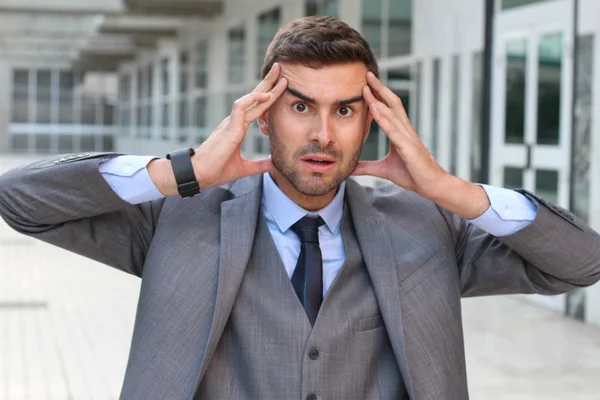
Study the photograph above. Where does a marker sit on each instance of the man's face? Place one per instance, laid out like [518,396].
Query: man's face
[317,127]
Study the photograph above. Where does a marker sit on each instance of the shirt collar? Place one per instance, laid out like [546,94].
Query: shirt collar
[286,213]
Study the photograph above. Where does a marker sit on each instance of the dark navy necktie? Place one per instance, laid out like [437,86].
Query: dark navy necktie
[308,275]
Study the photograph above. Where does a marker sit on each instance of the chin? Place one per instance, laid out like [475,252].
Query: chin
[317,185]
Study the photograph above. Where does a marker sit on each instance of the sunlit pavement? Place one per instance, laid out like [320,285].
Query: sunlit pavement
[66,323]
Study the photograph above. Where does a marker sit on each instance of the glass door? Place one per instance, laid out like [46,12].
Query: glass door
[531,104]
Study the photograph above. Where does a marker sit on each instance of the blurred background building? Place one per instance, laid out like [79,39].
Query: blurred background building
[504,92]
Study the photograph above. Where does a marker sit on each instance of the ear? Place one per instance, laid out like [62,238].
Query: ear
[368,126]
[263,123]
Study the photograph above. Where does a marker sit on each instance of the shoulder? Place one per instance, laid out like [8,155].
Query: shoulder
[390,198]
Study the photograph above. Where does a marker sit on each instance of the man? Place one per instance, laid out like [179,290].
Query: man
[284,279]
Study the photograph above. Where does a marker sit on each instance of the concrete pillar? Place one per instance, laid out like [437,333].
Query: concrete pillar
[5,106]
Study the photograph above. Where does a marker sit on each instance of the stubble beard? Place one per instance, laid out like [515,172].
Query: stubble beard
[318,184]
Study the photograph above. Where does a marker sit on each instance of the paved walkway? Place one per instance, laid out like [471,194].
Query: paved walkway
[66,323]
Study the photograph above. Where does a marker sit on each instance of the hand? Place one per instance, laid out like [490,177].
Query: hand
[409,163]
[218,160]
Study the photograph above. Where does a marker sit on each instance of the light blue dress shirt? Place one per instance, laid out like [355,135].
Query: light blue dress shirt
[509,212]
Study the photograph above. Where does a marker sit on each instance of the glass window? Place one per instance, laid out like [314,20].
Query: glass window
[400,27]
[108,113]
[436,107]
[321,7]
[311,8]
[65,97]
[183,72]
[513,177]
[165,115]
[200,112]
[164,72]
[415,116]
[65,144]
[88,143]
[454,114]
[42,143]
[66,80]
[370,148]
[150,81]
[44,97]
[88,110]
[107,143]
[372,24]
[65,107]
[549,93]
[236,55]
[140,83]
[125,88]
[124,120]
[516,59]
[183,113]
[19,143]
[330,8]
[20,106]
[400,81]
[21,77]
[580,200]
[268,24]
[546,185]
[475,157]
[201,64]
[261,144]
[148,117]
[507,4]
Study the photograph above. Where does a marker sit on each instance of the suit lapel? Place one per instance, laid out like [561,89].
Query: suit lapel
[239,217]
[374,242]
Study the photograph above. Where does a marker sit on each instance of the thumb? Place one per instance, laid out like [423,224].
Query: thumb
[256,167]
[371,168]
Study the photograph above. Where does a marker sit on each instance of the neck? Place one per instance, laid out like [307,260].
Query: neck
[309,203]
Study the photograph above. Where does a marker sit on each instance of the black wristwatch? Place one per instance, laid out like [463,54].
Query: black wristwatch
[181,161]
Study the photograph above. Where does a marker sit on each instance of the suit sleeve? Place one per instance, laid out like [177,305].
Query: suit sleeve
[554,254]
[66,202]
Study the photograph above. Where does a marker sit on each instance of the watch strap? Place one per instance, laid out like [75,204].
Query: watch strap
[181,162]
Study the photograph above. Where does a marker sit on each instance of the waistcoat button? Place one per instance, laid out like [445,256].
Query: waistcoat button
[314,354]
[311,397]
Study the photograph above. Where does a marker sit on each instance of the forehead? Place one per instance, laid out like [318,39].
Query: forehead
[332,82]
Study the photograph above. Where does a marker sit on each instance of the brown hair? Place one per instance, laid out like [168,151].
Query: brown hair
[318,41]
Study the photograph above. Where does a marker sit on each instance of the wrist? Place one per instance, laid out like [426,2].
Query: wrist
[462,198]
[161,173]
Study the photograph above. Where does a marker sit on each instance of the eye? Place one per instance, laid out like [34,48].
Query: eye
[345,112]
[300,108]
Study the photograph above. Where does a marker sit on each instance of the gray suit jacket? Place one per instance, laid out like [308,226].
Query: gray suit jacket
[192,254]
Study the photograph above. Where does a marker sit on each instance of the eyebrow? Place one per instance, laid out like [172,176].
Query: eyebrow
[339,103]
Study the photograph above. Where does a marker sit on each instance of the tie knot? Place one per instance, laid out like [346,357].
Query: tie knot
[307,229]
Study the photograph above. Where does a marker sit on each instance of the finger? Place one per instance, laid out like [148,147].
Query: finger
[388,97]
[269,81]
[371,168]
[259,108]
[238,112]
[385,118]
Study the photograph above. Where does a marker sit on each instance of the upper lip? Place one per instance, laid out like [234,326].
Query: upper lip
[318,157]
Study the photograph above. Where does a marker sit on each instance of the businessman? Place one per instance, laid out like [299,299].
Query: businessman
[283,278]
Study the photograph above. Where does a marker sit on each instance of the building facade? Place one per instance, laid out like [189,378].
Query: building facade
[545,65]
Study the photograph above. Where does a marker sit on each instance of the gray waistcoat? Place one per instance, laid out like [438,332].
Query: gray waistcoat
[269,351]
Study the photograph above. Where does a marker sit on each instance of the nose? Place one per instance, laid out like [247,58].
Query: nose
[322,132]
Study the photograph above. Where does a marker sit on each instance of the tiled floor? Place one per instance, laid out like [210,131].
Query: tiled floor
[66,323]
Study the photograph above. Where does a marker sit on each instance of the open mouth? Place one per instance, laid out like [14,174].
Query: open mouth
[319,162]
